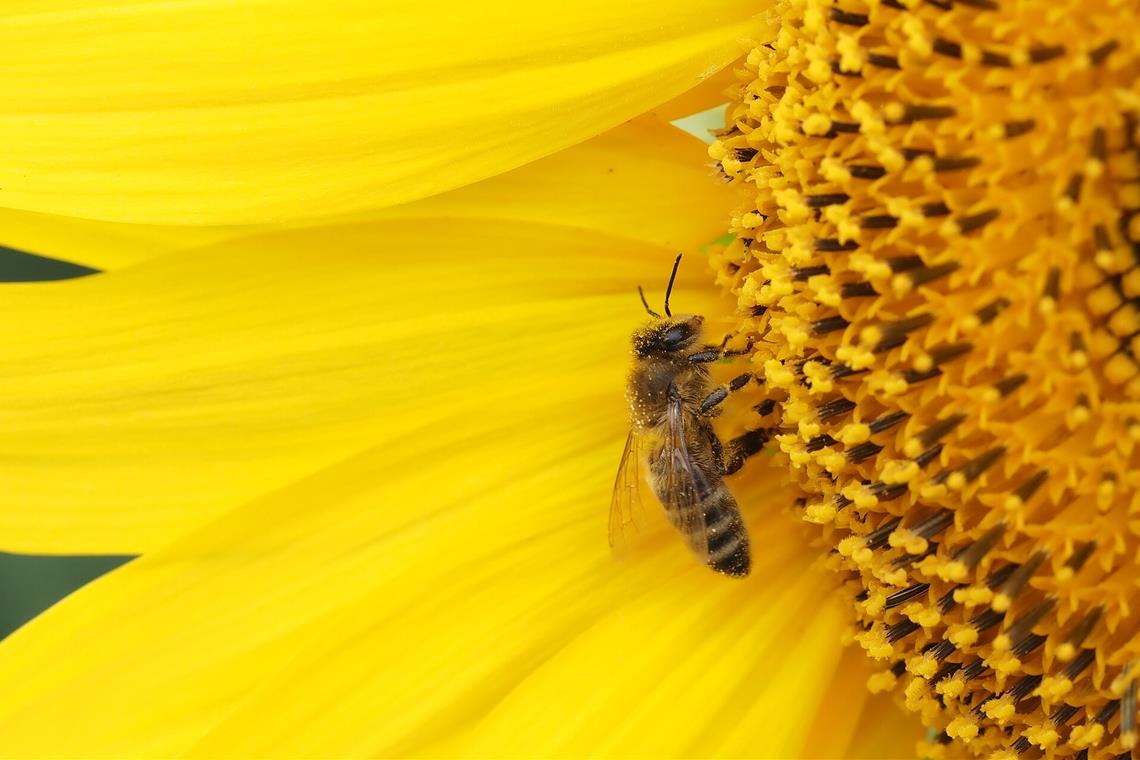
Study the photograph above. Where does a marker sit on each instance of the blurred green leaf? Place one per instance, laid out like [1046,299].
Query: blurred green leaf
[29,585]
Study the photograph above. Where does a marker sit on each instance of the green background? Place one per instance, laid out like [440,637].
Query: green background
[29,585]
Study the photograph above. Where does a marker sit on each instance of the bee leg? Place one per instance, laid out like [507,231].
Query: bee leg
[765,407]
[715,353]
[714,444]
[713,400]
[738,351]
[709,353]
[744,446]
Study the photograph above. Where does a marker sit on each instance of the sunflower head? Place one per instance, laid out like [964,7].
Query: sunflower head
[939,240]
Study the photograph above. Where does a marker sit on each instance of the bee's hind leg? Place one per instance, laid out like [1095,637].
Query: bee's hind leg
[714,399]
[743,446]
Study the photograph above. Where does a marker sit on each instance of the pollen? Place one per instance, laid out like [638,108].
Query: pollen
[943,242]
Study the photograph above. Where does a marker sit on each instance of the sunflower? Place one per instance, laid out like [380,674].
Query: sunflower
[940,243]
[445,526]
[350,379]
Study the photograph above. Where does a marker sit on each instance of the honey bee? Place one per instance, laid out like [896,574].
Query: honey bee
[671,435]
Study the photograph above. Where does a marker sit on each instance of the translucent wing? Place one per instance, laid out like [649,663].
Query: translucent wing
[683,480]
[627,510]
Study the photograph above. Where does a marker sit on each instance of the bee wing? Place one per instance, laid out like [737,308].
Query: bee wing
[627,510]
[684,481]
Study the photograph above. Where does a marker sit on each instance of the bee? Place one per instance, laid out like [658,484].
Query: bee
[671,436]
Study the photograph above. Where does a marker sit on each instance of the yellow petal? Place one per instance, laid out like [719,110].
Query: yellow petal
[426,595]
[853,723]
[104,245]
[211,112]
[397,602]
[476,478]
[644,180]
[144,401]
[181,398]
[709,93]
[686,668]
[885,732]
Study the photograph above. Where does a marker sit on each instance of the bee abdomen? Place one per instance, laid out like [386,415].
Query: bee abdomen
[727,537]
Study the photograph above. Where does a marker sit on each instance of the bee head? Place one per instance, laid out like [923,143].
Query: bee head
[666,335]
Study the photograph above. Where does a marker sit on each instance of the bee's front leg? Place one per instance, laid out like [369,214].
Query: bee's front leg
[713,400]
[738,351]
[715,353]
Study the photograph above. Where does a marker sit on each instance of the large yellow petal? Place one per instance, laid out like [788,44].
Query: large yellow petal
[431,597]
[152,398]
[520,369]
[644,180]
[141,402]
[214,112]
[542,648]
[685,668]
[887,732]
[708,94]
[104,245]
[853,723]
[420,597]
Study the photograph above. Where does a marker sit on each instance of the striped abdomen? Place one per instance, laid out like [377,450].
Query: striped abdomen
[703,509]
[727,537]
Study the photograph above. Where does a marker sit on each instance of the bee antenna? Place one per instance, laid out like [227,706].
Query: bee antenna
[645,303]
[669,289]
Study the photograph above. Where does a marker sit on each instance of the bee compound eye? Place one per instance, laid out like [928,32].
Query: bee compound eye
[675,337]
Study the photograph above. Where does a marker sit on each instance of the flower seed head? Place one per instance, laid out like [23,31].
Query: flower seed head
[939,240]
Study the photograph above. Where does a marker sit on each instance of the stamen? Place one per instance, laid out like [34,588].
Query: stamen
[1004,598]
[895,334]
[1019,128]
[1019,629]
[857,290]
[930,274]
[866,172]
[829,324]
[886,422]
[883,61]
[937,431]
[907,594]
[850,19]
[1098,55]
[945,277]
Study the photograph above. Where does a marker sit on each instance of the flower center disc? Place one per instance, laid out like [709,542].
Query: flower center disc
[939,243]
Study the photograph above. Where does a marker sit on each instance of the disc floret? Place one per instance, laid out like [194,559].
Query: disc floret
[939,244]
